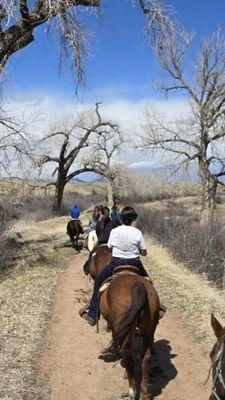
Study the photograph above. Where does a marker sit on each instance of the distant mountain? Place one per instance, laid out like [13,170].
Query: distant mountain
[77,180]
[11,178]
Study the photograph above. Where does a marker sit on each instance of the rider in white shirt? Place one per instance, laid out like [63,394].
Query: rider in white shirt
[127,243]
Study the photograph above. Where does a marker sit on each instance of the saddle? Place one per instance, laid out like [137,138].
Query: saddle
[120,270]
[125,269]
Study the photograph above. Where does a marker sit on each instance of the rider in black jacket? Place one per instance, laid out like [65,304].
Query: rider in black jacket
[103,229]
[105,225]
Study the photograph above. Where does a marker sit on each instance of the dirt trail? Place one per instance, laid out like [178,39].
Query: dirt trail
[73,370]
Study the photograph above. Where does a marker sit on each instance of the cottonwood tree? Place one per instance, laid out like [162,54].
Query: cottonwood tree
[200,135]
[15,145]
[105,147]
[20,18]
[75,135]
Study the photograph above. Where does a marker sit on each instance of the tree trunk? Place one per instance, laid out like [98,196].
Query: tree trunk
[110,193]
[209,187]
[57,204]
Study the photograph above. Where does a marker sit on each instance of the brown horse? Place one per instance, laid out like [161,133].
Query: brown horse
[74,230]
[218,361]
[100,259]
[128,303]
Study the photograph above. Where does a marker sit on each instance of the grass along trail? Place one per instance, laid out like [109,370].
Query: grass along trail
[190,294]
[70,366]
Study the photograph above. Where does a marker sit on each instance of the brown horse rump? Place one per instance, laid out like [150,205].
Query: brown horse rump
[120,270]
[130,303]
[74,227]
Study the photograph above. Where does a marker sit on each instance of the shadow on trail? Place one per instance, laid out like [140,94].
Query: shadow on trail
[162,369]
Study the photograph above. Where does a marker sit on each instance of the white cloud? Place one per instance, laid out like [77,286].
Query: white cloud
[147,164]
[50,108]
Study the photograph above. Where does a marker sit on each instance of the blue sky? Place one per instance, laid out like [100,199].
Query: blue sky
[119,72]
[121,65]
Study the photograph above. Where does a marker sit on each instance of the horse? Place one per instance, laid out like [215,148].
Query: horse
[101,258]
[217,356]
[131,302]
[74,230]
[90,240]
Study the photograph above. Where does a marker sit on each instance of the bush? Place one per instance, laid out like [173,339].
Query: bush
[145,189]
[8,247]
[35,208]
[38,206]
[84,201]
[201,248]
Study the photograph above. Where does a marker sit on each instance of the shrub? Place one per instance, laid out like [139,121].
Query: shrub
[201,248]
[8,247]
[35,208]
[145,189]
[84,201]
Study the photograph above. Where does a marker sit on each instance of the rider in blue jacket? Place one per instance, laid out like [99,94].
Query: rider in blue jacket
[75,212]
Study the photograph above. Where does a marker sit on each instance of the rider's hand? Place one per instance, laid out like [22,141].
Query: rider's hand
[143,252]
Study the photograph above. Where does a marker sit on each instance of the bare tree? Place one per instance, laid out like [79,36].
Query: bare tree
[15,144]
[20,18]
[101,159]
[200,135]
[75,135]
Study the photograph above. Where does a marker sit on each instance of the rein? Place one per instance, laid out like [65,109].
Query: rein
[218,375]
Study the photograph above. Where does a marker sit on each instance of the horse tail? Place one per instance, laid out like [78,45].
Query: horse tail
[128,323]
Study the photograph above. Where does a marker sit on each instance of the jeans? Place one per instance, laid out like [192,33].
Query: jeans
[106,273]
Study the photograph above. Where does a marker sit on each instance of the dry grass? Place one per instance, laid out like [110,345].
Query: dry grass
[25,299]
[190,294]
[26,296]
[27,292]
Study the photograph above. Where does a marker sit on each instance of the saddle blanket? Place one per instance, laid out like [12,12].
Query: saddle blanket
[107,282]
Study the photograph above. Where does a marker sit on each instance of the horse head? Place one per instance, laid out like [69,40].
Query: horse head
[217,356]
[100,260]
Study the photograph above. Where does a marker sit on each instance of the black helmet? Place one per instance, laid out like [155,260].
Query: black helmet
[128,215]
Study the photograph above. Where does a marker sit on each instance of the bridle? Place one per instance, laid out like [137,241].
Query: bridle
[218,372]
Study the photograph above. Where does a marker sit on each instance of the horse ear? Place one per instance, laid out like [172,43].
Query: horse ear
[217,327]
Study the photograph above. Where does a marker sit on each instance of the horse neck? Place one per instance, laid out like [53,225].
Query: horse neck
[100,261]
[219,386]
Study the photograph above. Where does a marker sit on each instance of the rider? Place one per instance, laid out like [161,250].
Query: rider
[75,225]
[103,229]
[127,243]
[105,225]
[114,214]
[75,212]
[94,219]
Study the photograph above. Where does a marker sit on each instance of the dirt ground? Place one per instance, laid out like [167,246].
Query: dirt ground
[72,370]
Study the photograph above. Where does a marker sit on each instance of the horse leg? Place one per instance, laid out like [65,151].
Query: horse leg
[77,237]
[145,366]
[129,365]
[71,234]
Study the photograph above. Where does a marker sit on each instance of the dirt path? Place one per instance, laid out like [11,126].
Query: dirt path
[73,370]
